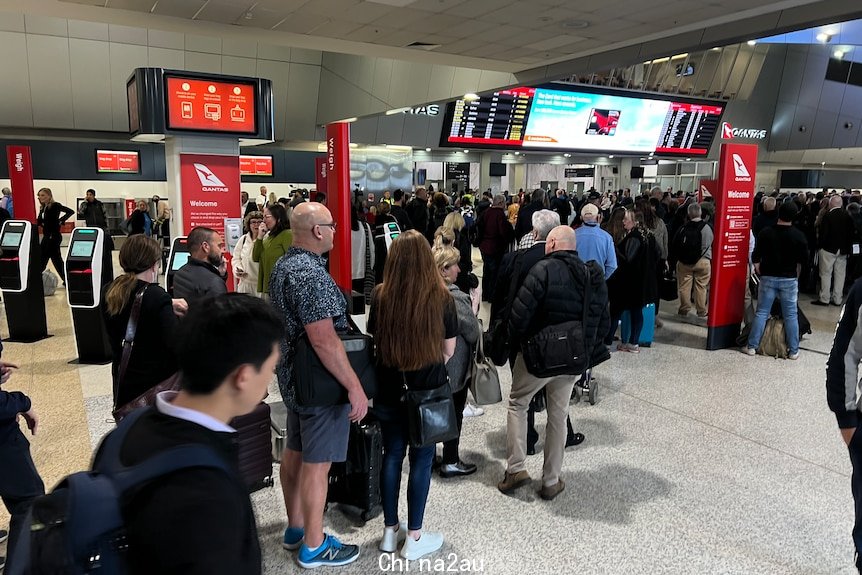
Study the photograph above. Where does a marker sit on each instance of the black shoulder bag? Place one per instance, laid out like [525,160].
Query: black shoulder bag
[316,387]
[561,349]
[431,416]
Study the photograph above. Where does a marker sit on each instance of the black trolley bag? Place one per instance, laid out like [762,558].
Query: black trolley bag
[255,447]
[355,483]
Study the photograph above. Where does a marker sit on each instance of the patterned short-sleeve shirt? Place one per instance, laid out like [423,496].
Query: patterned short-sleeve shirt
[303,292]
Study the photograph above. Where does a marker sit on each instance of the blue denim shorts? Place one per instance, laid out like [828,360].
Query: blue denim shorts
[319,433]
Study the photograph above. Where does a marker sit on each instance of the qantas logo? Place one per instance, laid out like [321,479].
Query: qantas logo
[740,169]
[209,181]
[728,132]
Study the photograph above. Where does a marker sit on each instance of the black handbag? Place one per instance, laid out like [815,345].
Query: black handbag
[668,289]
[316,387]
[560,349]
[431,417]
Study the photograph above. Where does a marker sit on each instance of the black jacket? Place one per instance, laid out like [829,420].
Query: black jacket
[400,215]
[525,218]
[196,521]
[635,283]
[52,218]
[842,367]
[94,214]
[763,221]
[417,211]
[526,259]
[837,232]
[551,295]
[152,360]
[198,280]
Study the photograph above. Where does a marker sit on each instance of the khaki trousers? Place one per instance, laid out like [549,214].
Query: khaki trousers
[559,392]
[698,274]
[833,271]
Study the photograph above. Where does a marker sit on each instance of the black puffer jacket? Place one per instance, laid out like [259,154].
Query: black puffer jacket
[551,295]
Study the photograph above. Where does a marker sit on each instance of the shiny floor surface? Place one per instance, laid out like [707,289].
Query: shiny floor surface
[694,462]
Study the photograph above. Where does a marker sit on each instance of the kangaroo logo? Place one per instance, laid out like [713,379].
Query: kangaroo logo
[739,167]
[207,177]
[726,131]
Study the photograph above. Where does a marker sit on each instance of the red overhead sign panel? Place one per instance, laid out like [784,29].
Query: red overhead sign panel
[210,105]
[255,165]
[115,161]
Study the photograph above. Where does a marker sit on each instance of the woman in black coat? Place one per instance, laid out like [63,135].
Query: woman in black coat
[634,284]
[52,215]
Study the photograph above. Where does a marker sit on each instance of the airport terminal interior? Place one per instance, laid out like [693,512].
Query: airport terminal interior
[694,461]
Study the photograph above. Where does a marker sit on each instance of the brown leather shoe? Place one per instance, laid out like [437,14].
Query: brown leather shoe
[548,492]
[512,481]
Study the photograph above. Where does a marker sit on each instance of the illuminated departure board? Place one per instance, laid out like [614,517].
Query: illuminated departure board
[499,119]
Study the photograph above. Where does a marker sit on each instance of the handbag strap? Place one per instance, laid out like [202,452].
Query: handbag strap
[131,330]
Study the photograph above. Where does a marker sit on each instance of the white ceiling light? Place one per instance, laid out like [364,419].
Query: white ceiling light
[838,54]
[471,97]
[427,149]
[349,120]
[611,157]
[823,37]
[751,42]
[567,155]
[396,111]
[466,151]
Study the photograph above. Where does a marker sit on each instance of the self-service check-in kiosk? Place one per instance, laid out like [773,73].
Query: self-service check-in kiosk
[21,282]
[84,273]
[178,258]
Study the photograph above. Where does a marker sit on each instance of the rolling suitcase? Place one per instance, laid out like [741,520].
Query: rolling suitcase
[278,425]
[648,329]
[255,447]
[356,482]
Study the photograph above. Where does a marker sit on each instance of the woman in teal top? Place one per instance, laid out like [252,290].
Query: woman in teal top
[274,244]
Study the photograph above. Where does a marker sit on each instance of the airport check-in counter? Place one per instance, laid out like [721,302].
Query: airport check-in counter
[84,282]
[21,281]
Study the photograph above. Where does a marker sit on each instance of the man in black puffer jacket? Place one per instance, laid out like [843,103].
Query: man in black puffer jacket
[552,293]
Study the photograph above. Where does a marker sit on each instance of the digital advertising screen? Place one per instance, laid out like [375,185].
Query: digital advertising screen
[111,161]
[82,249]
[255,165]
[11,240]
[210,105]
[589,119]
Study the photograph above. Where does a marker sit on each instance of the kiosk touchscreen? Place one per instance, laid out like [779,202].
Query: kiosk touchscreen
[21,281]
[178,258]
[390,232]
[14,255]
[84,273]
[84,265]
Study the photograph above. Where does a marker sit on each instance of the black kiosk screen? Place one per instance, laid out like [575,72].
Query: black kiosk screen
[82,249]
[11,240]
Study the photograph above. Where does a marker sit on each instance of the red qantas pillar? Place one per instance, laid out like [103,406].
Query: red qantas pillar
[338,201]
[733,206]
[21,174]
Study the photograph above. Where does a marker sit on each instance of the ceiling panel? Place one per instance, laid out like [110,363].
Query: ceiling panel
[224,13]
[370,34]
[332,7]
[179,8]
[136,5]
[437,5]
[301,23]
[434,23]
[400,19]
[478,9]
[335,29]
[265,19]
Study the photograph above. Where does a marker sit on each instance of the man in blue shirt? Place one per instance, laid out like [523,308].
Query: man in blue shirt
[594,243]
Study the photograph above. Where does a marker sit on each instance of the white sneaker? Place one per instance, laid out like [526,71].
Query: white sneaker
[793,355]
[428,542]
[471,410]
[748,350]
[392,537]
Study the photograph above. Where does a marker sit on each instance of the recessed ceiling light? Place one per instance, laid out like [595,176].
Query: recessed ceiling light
[611,157]
[839,54]
[574,24]
[823,37]
[567,155]
[470,96]
[751,42]
[517,153]
[427,149]
[466,151]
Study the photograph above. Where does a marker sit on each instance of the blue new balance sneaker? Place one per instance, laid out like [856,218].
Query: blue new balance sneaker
[293,538]
[332,553]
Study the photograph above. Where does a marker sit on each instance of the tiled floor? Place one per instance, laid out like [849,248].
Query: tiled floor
[695,462]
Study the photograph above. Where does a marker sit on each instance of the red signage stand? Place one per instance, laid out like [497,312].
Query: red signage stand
[733,207]
[338,201]
[21,175]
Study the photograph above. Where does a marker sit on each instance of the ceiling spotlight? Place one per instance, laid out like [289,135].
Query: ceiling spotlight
[517,153]
[427,149]
[823,37]
[848,125]
[802,128]
[466,151]
[651,154]
[611,157]
[471,97]
[688,159]
[838,54]
[567,155]
[751,42]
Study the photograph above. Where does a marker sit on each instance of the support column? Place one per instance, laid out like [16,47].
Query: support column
[626,172]
[338,201]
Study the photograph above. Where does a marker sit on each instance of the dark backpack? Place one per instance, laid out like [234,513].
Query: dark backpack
[687,243]
[78,527]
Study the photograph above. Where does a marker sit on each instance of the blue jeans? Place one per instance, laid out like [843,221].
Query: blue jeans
[785,289]
[393,425]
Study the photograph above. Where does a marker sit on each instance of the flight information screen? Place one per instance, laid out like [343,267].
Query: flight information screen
[584,119]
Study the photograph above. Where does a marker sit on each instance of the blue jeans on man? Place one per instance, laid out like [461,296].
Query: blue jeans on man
[786,290]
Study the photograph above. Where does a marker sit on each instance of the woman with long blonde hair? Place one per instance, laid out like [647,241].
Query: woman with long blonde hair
[414,323]
[52,215]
